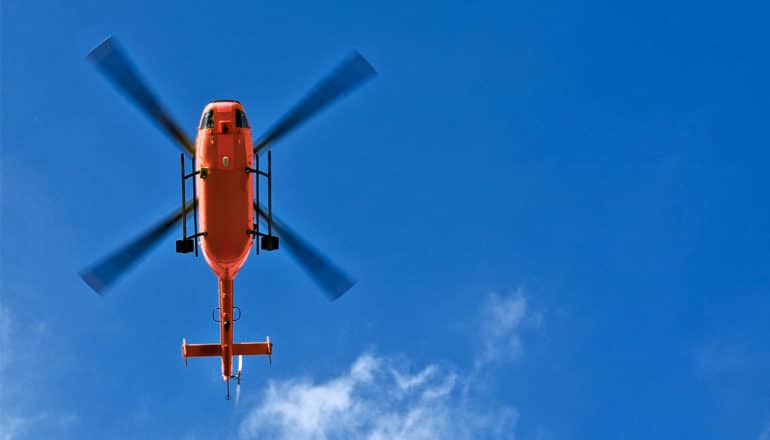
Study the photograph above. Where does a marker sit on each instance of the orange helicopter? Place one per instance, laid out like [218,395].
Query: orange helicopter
[225,207]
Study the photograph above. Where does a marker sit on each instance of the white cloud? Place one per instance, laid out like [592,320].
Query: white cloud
[376,399]
[502,320]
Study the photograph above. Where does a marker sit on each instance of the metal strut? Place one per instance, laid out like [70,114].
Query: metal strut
[256,205]
[268,242]
[269,194]
[195,207]
[189,243]
[184,201]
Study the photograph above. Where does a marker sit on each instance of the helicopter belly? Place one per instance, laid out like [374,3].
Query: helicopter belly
[226,214]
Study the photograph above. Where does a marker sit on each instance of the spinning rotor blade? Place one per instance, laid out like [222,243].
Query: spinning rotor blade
[101,275]
[238,383]
[347,76]
[332,280]
[116,65]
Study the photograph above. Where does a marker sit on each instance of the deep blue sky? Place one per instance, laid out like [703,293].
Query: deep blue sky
[604,164]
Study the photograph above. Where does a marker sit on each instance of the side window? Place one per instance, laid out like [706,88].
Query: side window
[208,120]
[240,119]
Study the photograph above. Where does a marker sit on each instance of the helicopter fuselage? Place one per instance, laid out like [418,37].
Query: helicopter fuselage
[225,197]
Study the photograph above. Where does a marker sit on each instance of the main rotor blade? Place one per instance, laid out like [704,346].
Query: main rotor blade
[104,273]
[333,281]
[116,65]
[347,76]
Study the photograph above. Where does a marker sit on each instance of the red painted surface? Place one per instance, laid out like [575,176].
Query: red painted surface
[225,213]
[226,196]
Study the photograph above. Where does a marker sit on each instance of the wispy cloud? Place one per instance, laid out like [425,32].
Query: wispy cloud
[379,398]
[10,425]
[722,358]
[376,399]
[765,435]
[17,417]
[502,320]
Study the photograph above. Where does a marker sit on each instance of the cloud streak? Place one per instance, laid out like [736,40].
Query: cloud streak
[765,435]
[502,320]
[19,416]
[10,425]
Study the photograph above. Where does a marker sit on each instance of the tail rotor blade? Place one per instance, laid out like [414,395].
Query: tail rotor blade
[118,68]
[238,381]
[351,73]
[333,281]
[103,274]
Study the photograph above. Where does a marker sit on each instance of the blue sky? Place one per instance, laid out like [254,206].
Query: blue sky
[557,213]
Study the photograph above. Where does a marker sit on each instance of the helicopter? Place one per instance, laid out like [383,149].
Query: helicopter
[226,209]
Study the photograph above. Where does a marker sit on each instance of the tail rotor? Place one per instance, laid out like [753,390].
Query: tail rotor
[238,380]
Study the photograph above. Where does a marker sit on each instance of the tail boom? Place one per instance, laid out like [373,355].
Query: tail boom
[226,348]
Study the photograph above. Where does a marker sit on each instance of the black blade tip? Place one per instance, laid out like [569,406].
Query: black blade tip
[362,63]
[334,292]
[103,49]
[94,282]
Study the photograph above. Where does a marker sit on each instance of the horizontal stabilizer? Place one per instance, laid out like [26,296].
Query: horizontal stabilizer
[239,348]
[201,350]
[253,348]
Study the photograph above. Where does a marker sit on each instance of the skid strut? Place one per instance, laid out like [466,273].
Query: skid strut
[268,242]
[189,243]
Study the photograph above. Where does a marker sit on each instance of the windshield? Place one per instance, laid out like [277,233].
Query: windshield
[240,119]
[208,120]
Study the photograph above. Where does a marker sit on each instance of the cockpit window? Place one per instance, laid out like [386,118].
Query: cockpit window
[208,120]
[240,119]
